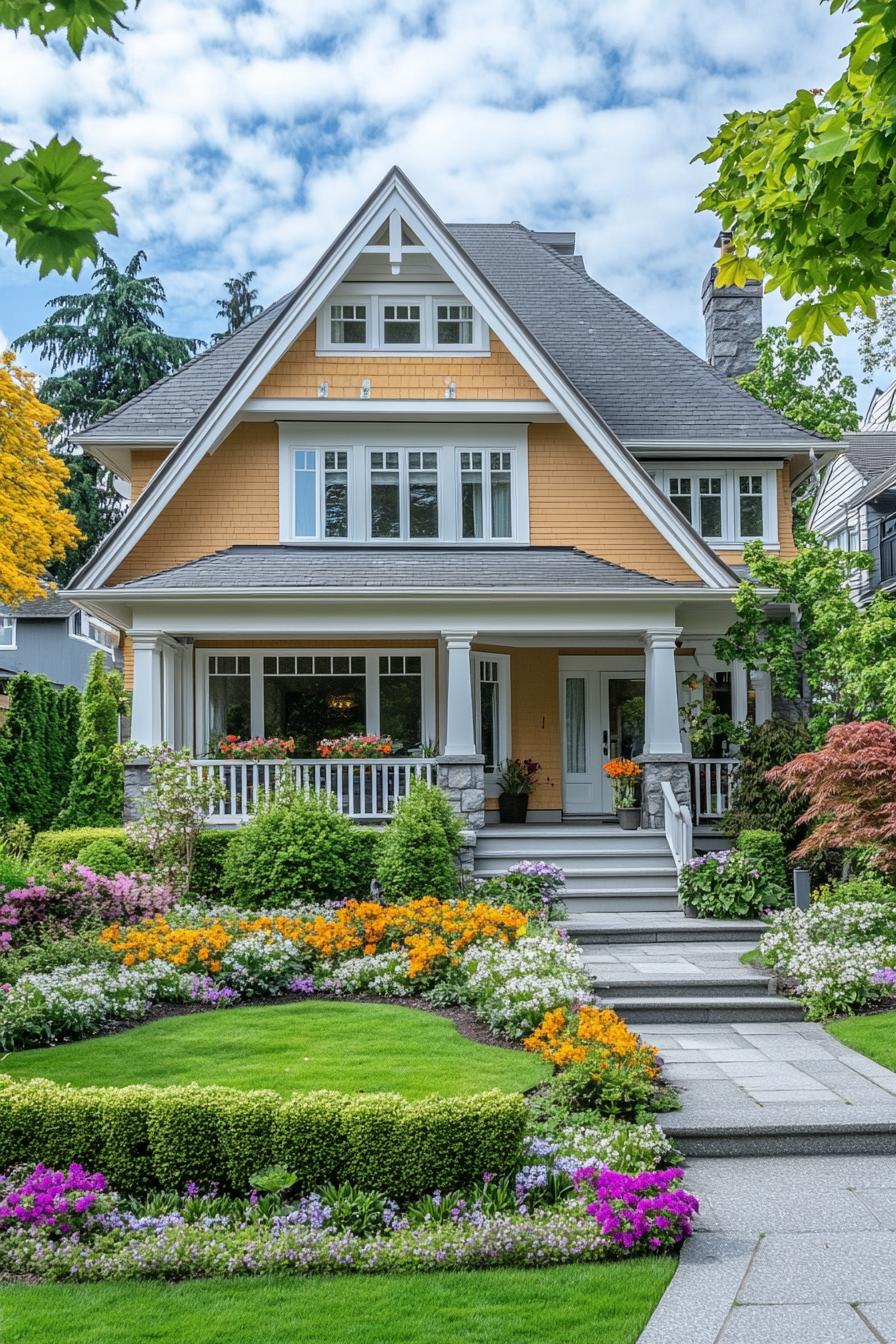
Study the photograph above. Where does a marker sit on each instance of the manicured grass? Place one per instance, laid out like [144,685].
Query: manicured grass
[291,1047]
[574,1304]
[873,1035]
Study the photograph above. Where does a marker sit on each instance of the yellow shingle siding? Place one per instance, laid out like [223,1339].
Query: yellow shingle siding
[231,499]
[574,501]
[494,377]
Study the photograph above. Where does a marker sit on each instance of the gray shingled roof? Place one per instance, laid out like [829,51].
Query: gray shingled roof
[53,607]
[871,453]
[536,568]
[637,378]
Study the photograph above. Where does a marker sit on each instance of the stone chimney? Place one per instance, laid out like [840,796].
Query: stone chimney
[733,317]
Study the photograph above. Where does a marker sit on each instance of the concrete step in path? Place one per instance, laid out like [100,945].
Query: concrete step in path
[751,1088]
[667,926]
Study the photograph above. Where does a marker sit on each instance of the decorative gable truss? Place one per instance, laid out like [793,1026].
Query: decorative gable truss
[397,224]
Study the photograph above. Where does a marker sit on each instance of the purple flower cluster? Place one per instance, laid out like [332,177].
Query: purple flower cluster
[545,872]
[59,1200]
[203,989]
[301,984]
[77,895]
[635,1211]
[886,976]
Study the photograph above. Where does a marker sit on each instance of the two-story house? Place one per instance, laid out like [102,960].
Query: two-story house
[450,489]
[55,638]
[855,507]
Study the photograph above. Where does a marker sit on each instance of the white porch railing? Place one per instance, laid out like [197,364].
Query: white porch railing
[679,827]
[366,790]
[711,785]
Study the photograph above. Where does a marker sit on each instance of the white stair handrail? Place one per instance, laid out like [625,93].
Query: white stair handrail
[679,828]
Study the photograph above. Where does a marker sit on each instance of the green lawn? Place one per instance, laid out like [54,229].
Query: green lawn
[291,1047]
[874,1036]
[574,1304]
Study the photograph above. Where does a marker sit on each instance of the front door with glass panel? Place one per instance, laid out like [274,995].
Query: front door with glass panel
[603,717]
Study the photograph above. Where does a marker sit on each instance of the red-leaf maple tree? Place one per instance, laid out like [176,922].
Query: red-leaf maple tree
[851,786]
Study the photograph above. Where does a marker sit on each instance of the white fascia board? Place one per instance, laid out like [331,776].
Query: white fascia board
[393,194]
[140,596]
[327,408]
[728,447]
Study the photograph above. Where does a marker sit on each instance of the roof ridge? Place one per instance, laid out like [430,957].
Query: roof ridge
[585,276]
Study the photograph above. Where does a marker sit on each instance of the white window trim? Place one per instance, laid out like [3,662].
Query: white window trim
[447,439]
[256,683]
[10,623]
[86,639]
[492,788]
[730,538]
[404,494]
[374,296]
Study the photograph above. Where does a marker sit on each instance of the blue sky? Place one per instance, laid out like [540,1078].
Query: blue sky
[244,134]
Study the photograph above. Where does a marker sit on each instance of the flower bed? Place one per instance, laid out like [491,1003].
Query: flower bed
[836,954]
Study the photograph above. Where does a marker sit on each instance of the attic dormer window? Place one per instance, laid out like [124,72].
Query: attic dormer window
[454,324]
[401,324]
[395,318]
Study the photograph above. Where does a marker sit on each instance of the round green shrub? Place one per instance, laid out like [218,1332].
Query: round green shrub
[727,885]
[867,887]
[298,847]
[207,877]
[415,856]
[51,849]
[766,849]
[107,857]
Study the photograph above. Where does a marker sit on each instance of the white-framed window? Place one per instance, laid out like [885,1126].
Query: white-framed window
[320,502]
[486,494]
[404,494]
[348,323]
[728,504]
[423,484]
[7,632]
[310,694]
[84,626]
[400,317]
[491,691]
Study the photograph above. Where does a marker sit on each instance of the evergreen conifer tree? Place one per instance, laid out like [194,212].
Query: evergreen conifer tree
[96,790]
[26,790]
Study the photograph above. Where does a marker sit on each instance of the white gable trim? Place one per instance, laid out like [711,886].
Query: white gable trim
[397,193]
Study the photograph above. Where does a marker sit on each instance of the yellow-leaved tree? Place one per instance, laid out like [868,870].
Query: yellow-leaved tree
[35,528]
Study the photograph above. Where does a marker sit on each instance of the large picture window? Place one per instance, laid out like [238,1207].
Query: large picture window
[309,695]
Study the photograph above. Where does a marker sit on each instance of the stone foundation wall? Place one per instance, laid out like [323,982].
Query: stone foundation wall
[136,782]
[657,769]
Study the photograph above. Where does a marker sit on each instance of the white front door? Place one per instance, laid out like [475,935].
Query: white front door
[603,717]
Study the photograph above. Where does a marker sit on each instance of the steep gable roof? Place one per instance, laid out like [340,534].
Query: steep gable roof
[396,196]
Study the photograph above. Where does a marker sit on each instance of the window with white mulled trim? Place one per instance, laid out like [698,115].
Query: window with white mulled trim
[419,484]
[7,632]
[727,504]
[398,318]
[84,626]
[309,694]
[491,691]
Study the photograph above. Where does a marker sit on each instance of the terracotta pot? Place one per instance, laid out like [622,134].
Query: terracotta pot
[513,807]
[629,818]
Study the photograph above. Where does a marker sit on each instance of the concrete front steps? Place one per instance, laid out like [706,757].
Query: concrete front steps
[607,869]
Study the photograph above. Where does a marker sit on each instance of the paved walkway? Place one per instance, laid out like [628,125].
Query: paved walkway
[687,961]
[790,1250]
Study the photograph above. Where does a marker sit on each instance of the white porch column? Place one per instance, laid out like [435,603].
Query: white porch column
[662,730]
[146,710]
[460,737]
[762,688]
[739,703]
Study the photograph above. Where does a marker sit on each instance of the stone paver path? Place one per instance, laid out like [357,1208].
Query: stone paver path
[747,1067]
[691,961]
[789,1250]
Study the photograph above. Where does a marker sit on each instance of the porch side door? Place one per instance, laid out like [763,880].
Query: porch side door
[583,716]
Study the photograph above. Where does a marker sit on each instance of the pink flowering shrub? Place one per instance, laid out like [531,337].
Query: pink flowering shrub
[646,1212]
[55,1200]
[78,896]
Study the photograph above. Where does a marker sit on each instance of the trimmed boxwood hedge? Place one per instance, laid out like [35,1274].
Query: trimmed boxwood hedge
[51,849]
[145,1138]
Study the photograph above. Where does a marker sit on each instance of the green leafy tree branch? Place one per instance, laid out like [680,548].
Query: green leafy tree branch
[809,188]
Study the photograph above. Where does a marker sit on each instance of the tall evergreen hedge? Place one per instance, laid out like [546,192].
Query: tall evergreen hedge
[26,789]
[96,789]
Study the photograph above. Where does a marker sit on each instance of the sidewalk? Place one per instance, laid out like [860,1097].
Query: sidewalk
[790,1250]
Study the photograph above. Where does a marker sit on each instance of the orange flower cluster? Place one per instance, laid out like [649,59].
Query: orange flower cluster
[430,930]
[192,949]
[622,768]
[591,1031]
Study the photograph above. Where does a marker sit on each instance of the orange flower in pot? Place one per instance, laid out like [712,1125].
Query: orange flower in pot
[624,775]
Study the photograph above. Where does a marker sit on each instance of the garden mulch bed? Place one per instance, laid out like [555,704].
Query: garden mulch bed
[466,1024]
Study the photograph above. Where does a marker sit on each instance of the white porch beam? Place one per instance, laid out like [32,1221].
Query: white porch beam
[460,736]
[662,729]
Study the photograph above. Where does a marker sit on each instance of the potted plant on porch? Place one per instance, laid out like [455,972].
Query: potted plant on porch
[517,780]
[624,776]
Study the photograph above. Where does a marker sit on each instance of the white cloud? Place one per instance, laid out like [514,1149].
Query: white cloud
[245,135]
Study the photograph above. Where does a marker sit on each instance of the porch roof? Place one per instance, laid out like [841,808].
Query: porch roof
[535,569]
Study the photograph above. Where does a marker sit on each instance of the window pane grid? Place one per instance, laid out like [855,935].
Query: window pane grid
[750,506]
[454,324]
[348,323]
[401,324]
